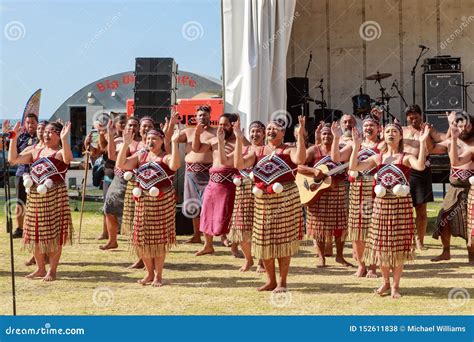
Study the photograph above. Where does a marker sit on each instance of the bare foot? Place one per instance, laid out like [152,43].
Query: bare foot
[371,274]
[235,252]
[30,262]
[321,262]
[420,246]
[194,239]
[382,290]
[102,237]
[361,271]
[109,246]
[146,280]
[343,262]
[280,289]
[36,274]
[157,283]
[246,266]
[204,251]
[226,243]
[137,265]
[50,276]
[442,256]
[260,269]
[395,293]
[268,287]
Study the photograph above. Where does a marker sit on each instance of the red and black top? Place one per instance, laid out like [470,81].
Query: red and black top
[320,159]
[154,173]
[389,175]
[50,167]
[275,167]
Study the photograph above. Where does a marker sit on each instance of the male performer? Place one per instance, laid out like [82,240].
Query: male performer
[26,139]
[421,188]
[278,219]
[452,218]
[196,175]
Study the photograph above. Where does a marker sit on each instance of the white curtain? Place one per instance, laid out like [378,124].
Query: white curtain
[256,34]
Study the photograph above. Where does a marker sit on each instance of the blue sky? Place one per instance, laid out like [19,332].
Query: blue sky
[61,46]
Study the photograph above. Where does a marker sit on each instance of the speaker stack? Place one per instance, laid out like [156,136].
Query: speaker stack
[443,89]
[155,87]
[443,92]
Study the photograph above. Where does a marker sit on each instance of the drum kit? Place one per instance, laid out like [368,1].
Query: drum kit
[362,103]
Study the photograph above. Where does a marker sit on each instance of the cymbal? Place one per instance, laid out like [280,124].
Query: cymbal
[378,76]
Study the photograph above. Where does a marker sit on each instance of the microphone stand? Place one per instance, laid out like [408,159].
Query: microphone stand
[6,181]
[413,72]
[400,93]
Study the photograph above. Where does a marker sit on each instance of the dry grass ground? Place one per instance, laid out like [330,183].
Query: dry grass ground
[95,282]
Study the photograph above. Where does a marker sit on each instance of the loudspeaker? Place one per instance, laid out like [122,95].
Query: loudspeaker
[155,87]
[443,91]
[159,66]
[438,120]
[296,88]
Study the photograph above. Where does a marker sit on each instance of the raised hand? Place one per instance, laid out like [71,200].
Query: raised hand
[17,129]
[6,126]
[451,116]
[356,136]
[175,136]
[302,121]
[127,136]
[200,128]
[66,130]
[110,128]
[454,131]
[220,133]
[174,118]
[426,130]
[336,130]
[236,127]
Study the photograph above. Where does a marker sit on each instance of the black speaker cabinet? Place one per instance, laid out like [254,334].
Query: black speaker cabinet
[443,91]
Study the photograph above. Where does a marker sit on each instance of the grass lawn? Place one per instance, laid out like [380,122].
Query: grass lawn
[94,282]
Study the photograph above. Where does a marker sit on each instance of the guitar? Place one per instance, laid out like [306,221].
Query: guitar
[311,189]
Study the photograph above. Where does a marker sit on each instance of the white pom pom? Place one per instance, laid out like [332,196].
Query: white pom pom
[137,192]
[27,190]
[42,189]
[354,174]
[375,176]
[380,191]
[127,175]
[48,183]
[471,180]
[397,190]
[257,191]
[406,190]
[251,176]
[237,181]
[26,176]
[277,188]
[27,183]
[154,191]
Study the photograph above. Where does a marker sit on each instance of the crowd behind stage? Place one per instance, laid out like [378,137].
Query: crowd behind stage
[357,185]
